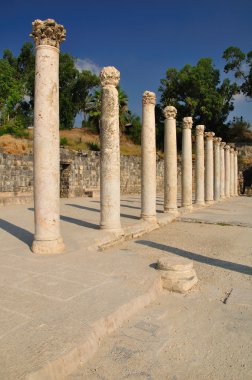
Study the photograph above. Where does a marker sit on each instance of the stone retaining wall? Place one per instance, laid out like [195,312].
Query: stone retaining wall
[79,172]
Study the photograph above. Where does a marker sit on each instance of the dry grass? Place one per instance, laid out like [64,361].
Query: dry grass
[75,139]
[13,145]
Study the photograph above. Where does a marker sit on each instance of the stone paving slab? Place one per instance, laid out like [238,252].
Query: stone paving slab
[54,310]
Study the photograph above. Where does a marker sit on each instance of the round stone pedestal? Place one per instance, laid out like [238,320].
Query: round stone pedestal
[177,274]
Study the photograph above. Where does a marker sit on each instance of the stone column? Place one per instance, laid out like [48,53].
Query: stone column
[110,151]
[236,173]
[148,167]
[222,170]
[47,36]
[209,167]
[200,167]
[231,171]
[217,172]
[227,171]
[170,159]
[186,182]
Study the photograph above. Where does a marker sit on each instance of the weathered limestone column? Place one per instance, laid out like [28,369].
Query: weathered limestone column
[200,167]
[217,171]
[47,36]
[227,171]
[209,167]
[170,159]
[186,183]
[231,171]
[222,170]
[236,173]
[110,151]
[148,168]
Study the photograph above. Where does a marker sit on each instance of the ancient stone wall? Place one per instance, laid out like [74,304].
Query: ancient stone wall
[79,173]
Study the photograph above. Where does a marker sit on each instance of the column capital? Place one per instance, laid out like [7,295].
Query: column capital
[199,131]
[109,76]
[231,149]
[217,140]
[187,122]
[149,97]
[227,147]
[222,144]
[209,135]
[48,32]
[236,152]
[170,112]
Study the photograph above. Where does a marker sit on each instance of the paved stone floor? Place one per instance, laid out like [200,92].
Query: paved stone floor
[55,309]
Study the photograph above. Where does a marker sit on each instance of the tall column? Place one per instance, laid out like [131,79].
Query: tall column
[217,173]
[227,171]
[200,167]
[47,36]
[231,172]
[186,182]
[110,151]
[209,167]
[148,168]
[222,170]
[235,173]
[170,159]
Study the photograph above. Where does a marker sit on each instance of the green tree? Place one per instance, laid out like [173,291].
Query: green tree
[94,109]
[83,88]
[197,91]
[241,65]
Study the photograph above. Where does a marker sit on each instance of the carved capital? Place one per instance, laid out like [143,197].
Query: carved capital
[227,147]
[217,140]
[187,122]
[149,97]
[236,152]
[222,144]
[109,76]
[209,135]
[48,32]
[231,150]
[170,112]
[199,131]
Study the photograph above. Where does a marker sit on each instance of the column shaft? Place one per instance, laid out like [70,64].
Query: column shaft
[47,237]
[209,167]
[186,187]
[148,167]
[110,151]
[236,173]
[217,172]
[200,168]
[222,170]
[170,160]
[231,172]
[227,171]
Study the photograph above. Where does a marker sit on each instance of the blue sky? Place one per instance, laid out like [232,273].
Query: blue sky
[141,38]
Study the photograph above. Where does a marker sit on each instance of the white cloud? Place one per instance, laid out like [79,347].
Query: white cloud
[239,98]
[87,64]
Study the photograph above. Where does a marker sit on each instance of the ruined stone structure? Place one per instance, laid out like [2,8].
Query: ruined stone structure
[222,170]
[148,172]
[47,37]
[217,168]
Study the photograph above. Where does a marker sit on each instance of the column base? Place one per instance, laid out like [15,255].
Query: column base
[118,231]
[200,203]
[187,207]
[210,202]
[149,218]
[45,247]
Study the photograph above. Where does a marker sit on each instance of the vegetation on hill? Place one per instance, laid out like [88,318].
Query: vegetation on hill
[194,90]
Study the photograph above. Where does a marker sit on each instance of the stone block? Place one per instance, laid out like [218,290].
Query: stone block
[177,274]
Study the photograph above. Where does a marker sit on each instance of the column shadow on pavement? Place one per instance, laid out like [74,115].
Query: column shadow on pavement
[95,210]
[244,269]
[78,222]
[18,232]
